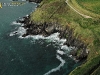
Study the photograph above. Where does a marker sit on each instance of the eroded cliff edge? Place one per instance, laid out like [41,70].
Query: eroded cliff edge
[47,28]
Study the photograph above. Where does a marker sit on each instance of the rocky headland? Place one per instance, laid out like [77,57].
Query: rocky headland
[46,29]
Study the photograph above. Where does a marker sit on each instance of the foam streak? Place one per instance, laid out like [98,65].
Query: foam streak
[57,68]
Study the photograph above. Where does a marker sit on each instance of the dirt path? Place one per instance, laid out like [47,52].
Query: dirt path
[85,16]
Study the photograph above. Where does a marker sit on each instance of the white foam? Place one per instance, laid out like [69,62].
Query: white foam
[65,47]
[21,31]
[62,41]
[21,19]
[53,37]
[15,23]
[60,52]
[57,68]
[13,33]
[59,43]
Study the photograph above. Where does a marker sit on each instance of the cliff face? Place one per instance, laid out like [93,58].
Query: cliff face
[87,30]
[48,28]
[36,1]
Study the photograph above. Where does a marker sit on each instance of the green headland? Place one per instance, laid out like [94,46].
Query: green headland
[83,16]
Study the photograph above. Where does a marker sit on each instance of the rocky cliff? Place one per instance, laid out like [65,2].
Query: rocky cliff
[46,29]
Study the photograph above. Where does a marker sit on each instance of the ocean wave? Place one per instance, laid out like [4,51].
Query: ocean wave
[52,38]
[57,68]
[61,48]
[15,23]
[65,47]
[21,31]
[13,33]
[60,52]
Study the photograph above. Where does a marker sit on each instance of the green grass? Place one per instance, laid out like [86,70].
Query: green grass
[80,7]
[91,5]
[97,71]
[87,68]
[85,29]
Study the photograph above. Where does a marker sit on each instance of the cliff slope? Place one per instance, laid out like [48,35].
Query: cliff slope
[85,29]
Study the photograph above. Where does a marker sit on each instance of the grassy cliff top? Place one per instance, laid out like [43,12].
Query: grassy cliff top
[85,29]
[91,5]
[87,7]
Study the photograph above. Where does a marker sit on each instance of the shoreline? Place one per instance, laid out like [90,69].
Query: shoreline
[80,53]
[46,29]
[78,30]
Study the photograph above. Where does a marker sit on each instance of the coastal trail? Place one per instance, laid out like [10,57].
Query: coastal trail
[85,16]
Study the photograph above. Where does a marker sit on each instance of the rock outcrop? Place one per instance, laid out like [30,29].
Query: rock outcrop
[46,29]
[36,1]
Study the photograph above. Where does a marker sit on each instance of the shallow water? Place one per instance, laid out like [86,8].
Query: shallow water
[32,55]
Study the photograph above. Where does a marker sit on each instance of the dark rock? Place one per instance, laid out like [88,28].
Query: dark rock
[73,53]
[81,57]
[47,29]
[36,1]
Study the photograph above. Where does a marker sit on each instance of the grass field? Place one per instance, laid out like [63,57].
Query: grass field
[86,10]
[85,29]
[91,5]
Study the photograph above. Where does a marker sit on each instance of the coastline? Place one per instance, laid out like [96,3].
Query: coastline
[46,28]
[80,51]
[78,54]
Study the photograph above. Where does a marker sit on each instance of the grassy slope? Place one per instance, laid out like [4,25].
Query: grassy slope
[88,30]
[91,5]
[97,71]
[86,7]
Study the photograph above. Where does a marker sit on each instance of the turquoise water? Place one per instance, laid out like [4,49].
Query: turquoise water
[29,56]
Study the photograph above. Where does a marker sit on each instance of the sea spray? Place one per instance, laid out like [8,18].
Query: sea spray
[60,52]
[61,48]
[15,23]
[57,68]
[20,32]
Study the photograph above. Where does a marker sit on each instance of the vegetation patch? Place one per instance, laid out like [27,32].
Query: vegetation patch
[88,67]
[77,5]
[91,5]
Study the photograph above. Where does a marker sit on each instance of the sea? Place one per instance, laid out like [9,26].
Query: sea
[31,55]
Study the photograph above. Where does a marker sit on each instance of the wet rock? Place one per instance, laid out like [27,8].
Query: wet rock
[47,29]
[81,57]
[36,1]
